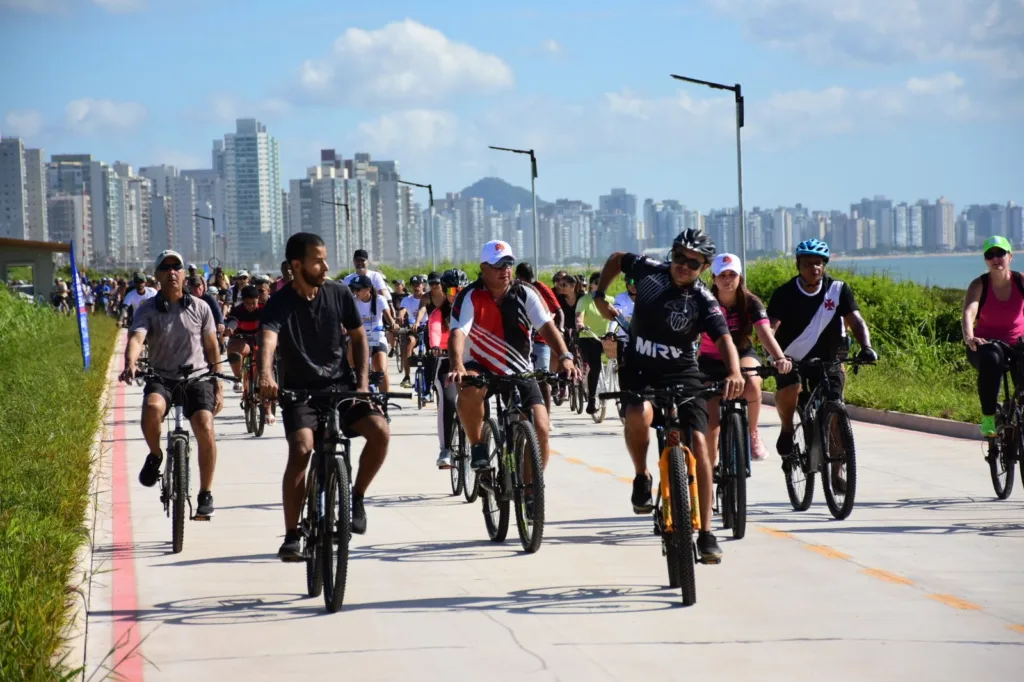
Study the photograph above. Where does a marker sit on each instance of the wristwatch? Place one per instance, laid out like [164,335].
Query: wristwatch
[598,296]
[566,356]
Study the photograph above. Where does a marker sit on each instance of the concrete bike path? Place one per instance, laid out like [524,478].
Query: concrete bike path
[922,582]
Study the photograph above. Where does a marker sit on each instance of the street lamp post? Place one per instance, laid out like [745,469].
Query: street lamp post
[348,219]
[213,232]
[430,225]
[533,194]
[738,96]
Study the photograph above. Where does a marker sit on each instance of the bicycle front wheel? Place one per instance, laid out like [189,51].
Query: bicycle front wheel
[336,533]
[421,389]
[529,496]
[734,474]
[602,405]
[581,396]
[495,508]
[309,528]
[470,479]
[177,460]
[839,474]
[796,467]
[457,471]
[1000,466]
[679,543]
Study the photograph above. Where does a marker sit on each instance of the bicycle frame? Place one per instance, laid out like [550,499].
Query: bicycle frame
[179,432]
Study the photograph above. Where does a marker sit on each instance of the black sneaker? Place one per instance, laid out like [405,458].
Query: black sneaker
[204,505]
[151,469]
[591,407]
[291,548]
[358,514]
[707,547]
[642,501]
[480,461]
[784,445]
[838,478]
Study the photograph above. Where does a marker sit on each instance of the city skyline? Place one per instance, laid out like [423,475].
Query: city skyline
[905,102]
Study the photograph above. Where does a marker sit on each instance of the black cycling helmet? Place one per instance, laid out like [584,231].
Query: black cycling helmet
[138,278]
[454,278]
[250,291]
[695,239]
[434,278]
[416,280]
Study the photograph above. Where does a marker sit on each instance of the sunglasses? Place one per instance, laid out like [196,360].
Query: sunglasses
[165,267]
[995,253]
[691,263]
[501,266]
[452,291]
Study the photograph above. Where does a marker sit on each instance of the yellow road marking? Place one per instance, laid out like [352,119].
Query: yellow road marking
[826,551]
[601,470]
[774,532]
[554,452]
[887,576]
[1017,628]
[954,602]
[625,479]
[573,460]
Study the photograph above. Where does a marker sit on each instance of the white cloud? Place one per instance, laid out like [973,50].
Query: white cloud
[228,108]
[103,115]
[25,123]
[403,63]
[989,33]
[412,132]
[552,46]
[121,6]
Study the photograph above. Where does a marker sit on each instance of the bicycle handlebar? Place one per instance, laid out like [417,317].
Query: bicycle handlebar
[289,397]
[488,380]
[678,393]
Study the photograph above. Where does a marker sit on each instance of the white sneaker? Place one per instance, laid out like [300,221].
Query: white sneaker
[758,452]
[444,461]
[237,388]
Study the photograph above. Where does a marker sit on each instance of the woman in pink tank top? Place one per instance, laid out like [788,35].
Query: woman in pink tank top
[993,315]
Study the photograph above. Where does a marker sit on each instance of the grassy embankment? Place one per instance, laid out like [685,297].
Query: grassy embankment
[49,413]
[916,330]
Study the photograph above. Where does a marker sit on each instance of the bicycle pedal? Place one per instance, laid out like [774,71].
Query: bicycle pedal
[710,561]
[202,517]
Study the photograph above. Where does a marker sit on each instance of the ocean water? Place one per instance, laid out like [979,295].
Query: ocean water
[944,271]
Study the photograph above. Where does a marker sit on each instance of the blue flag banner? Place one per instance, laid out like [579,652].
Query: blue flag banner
[83,320]
[206,271]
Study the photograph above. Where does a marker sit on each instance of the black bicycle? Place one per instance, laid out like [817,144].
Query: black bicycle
[514,453]
[822,441]
[677,501]
[174,484]
[326,523]
[1008,445]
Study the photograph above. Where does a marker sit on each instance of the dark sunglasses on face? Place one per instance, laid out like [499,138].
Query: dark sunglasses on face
[682,259]
[452,291]
[995,253]
[164,267]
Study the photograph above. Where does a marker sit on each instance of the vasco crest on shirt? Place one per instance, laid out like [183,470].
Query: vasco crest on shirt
[681,313]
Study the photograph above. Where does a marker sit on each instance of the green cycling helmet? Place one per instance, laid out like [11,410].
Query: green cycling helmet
[997,242]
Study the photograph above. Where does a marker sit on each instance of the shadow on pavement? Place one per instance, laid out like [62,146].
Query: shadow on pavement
[149,549]
[415,500]
[241,559]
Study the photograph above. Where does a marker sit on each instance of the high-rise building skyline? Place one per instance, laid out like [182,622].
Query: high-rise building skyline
[13,196]
[251,172]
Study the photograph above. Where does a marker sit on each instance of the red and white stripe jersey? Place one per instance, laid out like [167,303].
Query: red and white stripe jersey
[498,333]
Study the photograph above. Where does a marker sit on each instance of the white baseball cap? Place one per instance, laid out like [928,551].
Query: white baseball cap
[726,261]
[495,252]
[169,253]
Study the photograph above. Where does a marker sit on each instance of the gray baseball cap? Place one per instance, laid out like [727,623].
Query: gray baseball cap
[164,255]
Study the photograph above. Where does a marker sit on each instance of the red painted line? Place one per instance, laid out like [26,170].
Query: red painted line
[128,657]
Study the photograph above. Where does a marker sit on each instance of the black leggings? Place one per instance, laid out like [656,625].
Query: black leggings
[591,351]
[991,360]
[446,407]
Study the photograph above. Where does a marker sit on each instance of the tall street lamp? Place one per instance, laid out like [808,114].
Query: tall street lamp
[213,234]
[338,203]
[430,225]
[533,193]
[738,96]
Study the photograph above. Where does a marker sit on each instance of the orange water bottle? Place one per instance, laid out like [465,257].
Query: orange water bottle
[691,468]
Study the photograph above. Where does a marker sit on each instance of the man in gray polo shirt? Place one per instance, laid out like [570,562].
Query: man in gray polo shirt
[180,330]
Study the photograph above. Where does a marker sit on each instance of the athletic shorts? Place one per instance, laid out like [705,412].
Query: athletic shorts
[693,415]
[837,379]
[541,356]
[303,416]
[529,392]
[715,369]
[200,395]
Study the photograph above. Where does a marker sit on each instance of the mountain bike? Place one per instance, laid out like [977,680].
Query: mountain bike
[608,380]
[421,385]
[326,523]
[252,406]
[514,452]
[176,478]
[578,386]
[676,503]
[1008,445]
[822,441]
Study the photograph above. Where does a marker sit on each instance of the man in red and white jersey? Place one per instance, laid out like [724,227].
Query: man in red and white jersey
[491,332]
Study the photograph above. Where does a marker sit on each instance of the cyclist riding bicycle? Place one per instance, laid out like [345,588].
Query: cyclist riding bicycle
[137,296]
[623,307]
[541,356]
[745,314]
[491,323]
[591,349]
[197,287]
[179,330]
[244,319]
[809,316]
[994,312]
[309,323]
[408,311]
[673,308]
[361,263]
[374,311]
[438,332]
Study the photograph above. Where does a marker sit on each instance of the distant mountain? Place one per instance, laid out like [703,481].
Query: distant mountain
[501,195]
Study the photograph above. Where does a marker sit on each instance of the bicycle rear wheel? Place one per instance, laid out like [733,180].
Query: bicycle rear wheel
[495,509]
[335,534]
[602,405]
[796,467]
[839,474]
[309,528]
[457,472]
[734,474]
[581,396]
[526,452]
[679,543]
[177,460]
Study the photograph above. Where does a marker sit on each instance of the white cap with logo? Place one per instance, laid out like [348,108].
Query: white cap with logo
[726,261]
[169,253]
[495,252]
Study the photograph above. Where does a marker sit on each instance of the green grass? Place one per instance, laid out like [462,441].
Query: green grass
[49,413]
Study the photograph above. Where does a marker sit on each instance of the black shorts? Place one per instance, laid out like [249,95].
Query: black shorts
[303,416]
[715,369]
[837,379]
[693,415]
[199,395]
[529,392]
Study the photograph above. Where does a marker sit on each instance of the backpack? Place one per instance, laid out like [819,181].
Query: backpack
[1018,278]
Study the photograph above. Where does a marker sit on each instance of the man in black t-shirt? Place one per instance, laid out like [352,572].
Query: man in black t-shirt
[673,308]
[809,315]
[309,323]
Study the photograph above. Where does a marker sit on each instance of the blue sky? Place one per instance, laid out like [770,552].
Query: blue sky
[845,98]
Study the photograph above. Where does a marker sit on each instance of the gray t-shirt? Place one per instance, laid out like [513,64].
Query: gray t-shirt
[175,337]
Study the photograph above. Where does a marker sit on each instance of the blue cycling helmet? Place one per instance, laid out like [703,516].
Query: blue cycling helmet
[813,247]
